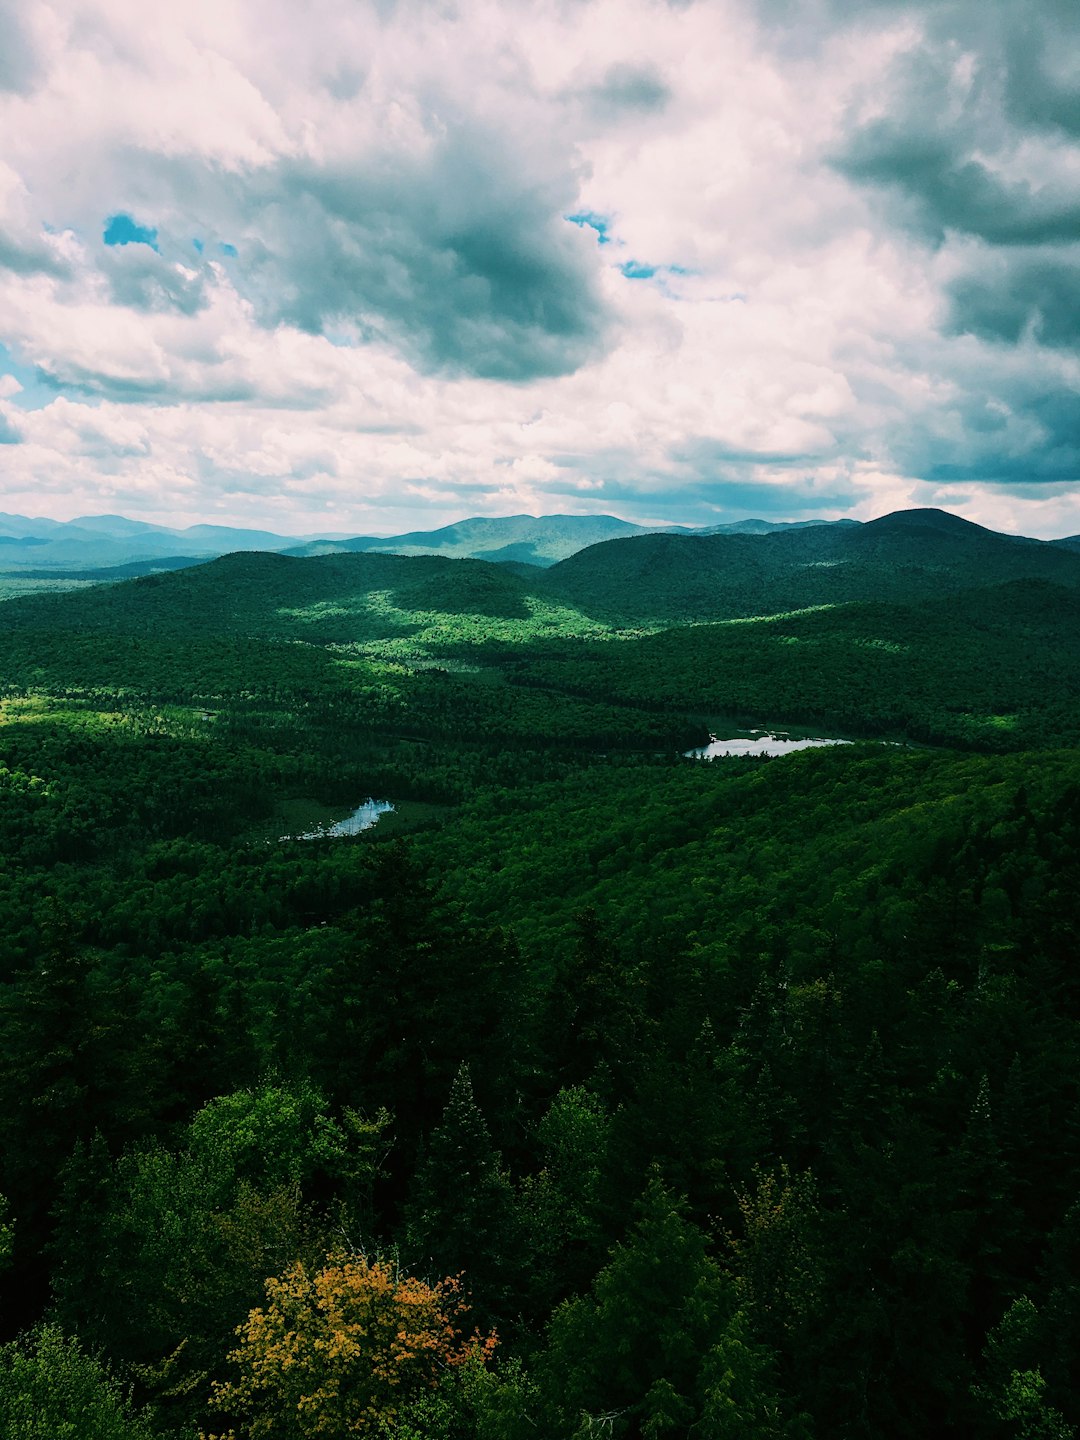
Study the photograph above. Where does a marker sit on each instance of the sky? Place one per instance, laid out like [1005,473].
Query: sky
[363,266]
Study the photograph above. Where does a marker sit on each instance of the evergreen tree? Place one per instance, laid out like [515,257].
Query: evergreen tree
[632,1352]
[460,1217]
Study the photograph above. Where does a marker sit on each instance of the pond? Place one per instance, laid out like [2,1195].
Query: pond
[758,742]
[362,818]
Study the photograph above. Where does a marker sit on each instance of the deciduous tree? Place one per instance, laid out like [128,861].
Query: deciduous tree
[339,1350]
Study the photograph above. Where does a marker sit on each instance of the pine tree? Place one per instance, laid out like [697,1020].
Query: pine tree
[460,1216]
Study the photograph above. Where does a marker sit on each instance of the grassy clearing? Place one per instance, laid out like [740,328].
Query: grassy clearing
[40,708]
[12,586]
[425,633]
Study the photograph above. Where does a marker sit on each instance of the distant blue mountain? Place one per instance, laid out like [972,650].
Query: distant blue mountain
[529,539]
[99,542]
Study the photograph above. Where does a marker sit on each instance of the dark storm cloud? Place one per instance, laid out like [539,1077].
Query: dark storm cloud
[957,108]
[1057,412]
[1026,434]
[947,190]
[1016,296]
[972,150]
[1042,75]
[1009,471]
[461,258]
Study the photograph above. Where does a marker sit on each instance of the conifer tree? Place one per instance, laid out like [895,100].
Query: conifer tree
[460,1216]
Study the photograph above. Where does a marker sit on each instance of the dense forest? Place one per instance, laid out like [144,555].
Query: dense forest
[595,1091]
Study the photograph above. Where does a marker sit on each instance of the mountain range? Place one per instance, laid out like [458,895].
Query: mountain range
[93,542]
[526,539]
[648,580]
[96,542]
[899,557]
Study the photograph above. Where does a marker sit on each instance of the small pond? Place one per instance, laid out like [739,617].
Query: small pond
[757,742]
[362,818]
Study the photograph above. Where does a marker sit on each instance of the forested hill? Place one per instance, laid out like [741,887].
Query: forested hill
[652,580]
[909,555]
[340,597]
[598,1092]
[841,627]
[530,539]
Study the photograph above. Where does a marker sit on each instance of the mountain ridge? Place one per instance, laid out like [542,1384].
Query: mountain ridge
[114,543]
[649,580]
[920,553]
[93,542]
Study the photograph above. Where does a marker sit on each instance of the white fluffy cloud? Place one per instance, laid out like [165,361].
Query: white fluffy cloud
[382,265]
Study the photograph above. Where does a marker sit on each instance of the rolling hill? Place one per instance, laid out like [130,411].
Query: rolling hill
[521,538]
[532,540]
[908,555]
[849,625]
[641,580]
[95,542]
[69,549]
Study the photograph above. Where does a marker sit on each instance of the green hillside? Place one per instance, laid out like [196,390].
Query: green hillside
[902,557]
[594,1090]
[997,668]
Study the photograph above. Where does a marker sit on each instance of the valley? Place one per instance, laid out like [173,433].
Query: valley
[740,1096]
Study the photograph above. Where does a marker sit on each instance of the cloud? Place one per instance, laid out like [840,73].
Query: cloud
[1042,84]
[628,88]
[402,261]
[26,246]
[19,68]
[28,254]
[964,141]
[1006,424]
[139,278]
[1009,298]
[950,130]
[456,254]
[949,191]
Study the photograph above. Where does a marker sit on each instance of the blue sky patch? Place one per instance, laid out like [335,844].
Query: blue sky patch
[37,391]
[198,245]
[121,229]
[589,218]
[227,249]
[635,270]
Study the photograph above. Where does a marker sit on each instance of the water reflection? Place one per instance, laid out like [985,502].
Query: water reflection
[757,742]
[362,818]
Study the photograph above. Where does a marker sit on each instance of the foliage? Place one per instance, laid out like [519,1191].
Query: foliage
[51,1389]
[823,1010]
[339,1350]
[460,1213]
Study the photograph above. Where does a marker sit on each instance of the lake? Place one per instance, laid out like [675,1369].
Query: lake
[757,742]
[362,818]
